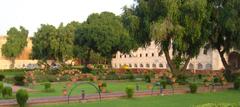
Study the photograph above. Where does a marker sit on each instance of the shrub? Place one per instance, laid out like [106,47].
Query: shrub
[104,84]
[85,69]
[22,97]
[19,80]
[7,92]
[182,79]
[200,76]
[193,87]
[48,87]
[1,77]
[1,87]
[129,91]
[237,84]
[147,78]
[163,82]
[216,80]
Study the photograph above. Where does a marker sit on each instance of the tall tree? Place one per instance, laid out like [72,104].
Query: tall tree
[224,29]
[173,24]
[16,42]
[50,43]
[104,34]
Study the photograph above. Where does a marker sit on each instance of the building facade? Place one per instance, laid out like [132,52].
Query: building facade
[151,58]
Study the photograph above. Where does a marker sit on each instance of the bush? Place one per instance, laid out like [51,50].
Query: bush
[7,92]
[85,69]
[1,77]
[104,84]
[193,87]
[22,97]
[182,80]
[147,78]
[163,83]
[48,87]
[19,80]
[129,91]
[1,87]
[200,76]
[237,84]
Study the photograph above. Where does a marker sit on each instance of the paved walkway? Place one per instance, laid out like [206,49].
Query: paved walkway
[94,97]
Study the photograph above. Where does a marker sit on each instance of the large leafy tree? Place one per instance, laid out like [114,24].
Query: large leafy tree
[50,43]
[224,29]
[104,34]
[16,42]
[175,25]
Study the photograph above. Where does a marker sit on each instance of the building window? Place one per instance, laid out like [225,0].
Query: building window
[154,65]
[200,66]
[146,55]
[135,65]
[125,56]
[191,66]
[140,55]
[161,65]
[141,65]
[130,65]
[120,56]
[152,54]
[130,56]
[208,66]
[147,65]
[159,53]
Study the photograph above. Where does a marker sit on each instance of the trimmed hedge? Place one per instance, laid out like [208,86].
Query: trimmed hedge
[22,97]
[129,91]
[193,87]
[7,92]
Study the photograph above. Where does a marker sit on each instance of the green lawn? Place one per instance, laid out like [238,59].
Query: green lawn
[186,100]
[112,86]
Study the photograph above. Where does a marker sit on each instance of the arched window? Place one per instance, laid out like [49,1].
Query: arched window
[190,66]
[208,66]
[161,65]
[147,65]
[135,65]
[141,65]
[200,66]
[154,65]
[130,65]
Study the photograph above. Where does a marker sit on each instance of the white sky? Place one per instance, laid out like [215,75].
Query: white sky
[32,13]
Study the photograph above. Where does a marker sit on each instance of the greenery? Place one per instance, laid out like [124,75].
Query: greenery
[193,87]
[22,97]
[19,80]
[183,100]
[16,42]
[1,77]
[218,105]
[236,84]
[182,79]
[7,92]
[48,87]
[1,87]
[129,91]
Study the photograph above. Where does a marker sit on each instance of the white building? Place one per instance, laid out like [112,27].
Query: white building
[151,58]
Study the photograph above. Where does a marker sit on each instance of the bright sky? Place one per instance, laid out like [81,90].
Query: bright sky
[32,13]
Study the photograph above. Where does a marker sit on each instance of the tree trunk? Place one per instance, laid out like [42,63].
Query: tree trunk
[88,57]
[170,63]
[185,64]
[228,70]
[12,63]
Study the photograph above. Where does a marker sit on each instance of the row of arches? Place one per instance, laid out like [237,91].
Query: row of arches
[141,65]
[200,66]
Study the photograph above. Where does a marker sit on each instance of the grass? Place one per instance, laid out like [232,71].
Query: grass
[185,100]
[112,86]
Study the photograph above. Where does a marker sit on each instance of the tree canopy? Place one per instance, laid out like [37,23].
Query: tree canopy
[16,42]
[175,25]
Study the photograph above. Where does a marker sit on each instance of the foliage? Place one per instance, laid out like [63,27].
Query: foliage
[129,91]
[48,87]
[104,34]
[53,43]
[1,77]
[182,79]
[237,84]
[175,24]
[16,42]
[193,87]
[1,87]
[147,78]
[7,91]
[164,83]
[224,29]
[22,97]
[19,80]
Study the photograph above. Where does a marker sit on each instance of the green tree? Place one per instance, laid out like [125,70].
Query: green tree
[50,43]
[16,42]
[224,29]
[174,25]
[104,34]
